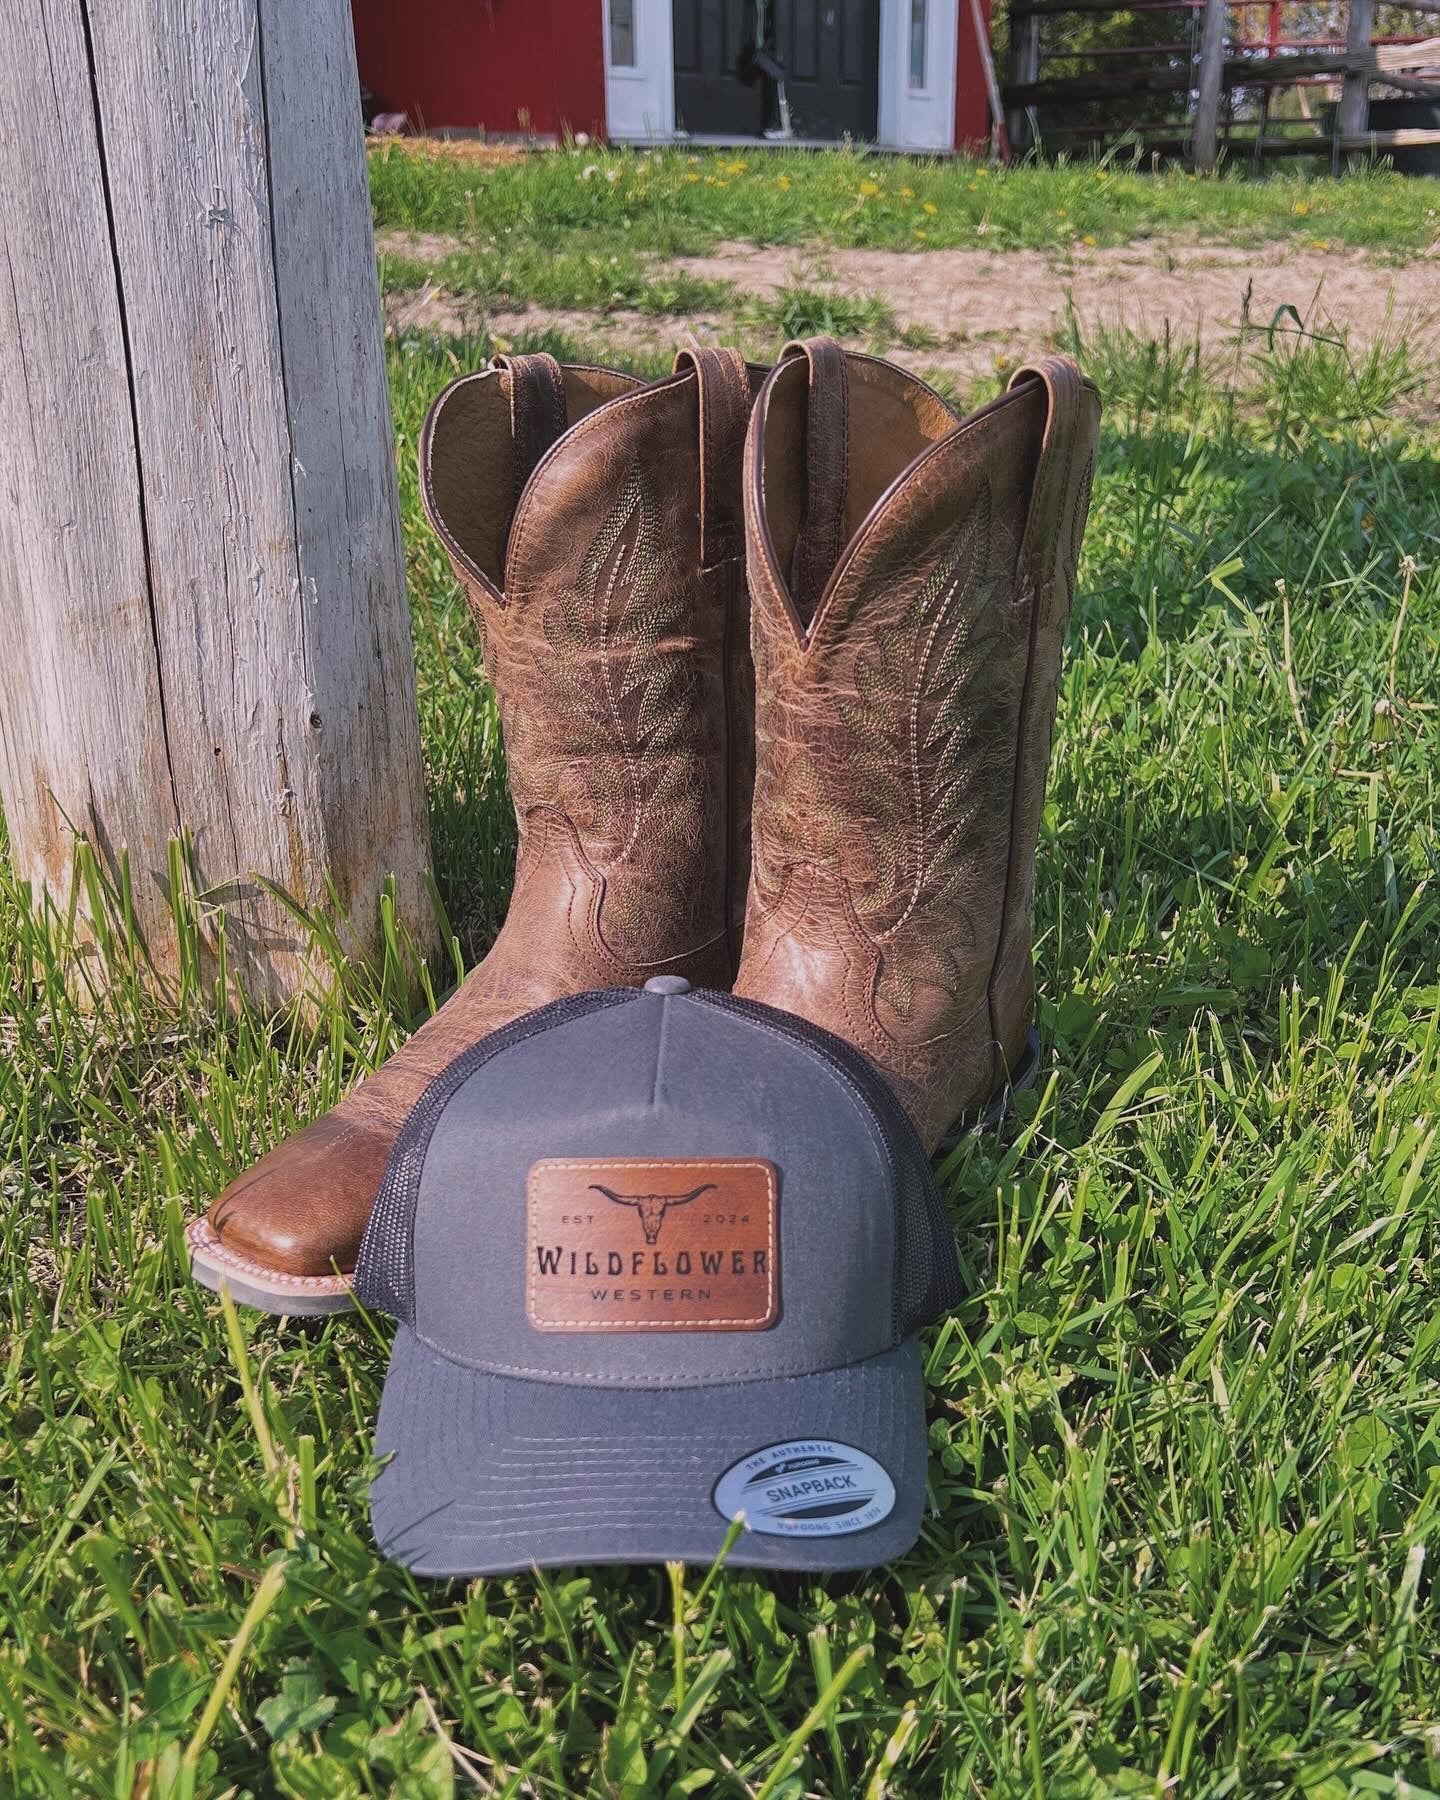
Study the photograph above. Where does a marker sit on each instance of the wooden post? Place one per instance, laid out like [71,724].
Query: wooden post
[1212,70]
[202,587]
[1352,115]
[1022,69]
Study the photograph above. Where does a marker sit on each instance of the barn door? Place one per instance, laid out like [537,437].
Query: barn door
[831,52]
[829,48]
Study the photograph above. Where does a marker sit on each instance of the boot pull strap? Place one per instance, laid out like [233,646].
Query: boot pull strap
[538,413]
[724,393]
[821,537]
[1060,493]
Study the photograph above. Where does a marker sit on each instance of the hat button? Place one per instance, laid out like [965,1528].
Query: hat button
[667,984]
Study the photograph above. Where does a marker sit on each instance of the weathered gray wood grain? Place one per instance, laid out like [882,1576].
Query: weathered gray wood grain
[352,565]
[82,737]
[259,460]
[1211,85]
[1352,112]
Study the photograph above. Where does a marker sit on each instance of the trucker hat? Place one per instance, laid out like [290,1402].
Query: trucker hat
[658,1258]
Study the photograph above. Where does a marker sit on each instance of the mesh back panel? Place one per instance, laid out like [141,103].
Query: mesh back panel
[385,1270]
[927,1281]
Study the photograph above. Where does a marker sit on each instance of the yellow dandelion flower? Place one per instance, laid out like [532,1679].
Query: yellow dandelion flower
[783,181]
[1088,242]
[1301,209]
[1061,213]
[692,176]
[929,206]
[1320,243]
[921,234]
[869,189]
[907,193]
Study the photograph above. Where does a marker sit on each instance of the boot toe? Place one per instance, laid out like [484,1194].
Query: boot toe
[302,1209]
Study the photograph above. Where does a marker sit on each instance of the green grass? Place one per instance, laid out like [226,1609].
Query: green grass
[1185,1442]
[590,231]
[515,272]
[672,202]
[798,311]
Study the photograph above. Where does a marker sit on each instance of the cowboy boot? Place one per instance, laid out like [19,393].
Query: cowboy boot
[595,524]
[910,577]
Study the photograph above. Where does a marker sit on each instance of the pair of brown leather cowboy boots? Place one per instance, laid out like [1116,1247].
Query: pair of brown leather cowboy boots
[909,578]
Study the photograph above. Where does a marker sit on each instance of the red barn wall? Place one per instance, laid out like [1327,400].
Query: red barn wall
[487,63]
[972,103]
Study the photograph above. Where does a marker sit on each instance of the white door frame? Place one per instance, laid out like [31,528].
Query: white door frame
[640,100]
[918,118]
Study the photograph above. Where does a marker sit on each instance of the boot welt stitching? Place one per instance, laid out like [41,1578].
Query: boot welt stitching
[201,1235]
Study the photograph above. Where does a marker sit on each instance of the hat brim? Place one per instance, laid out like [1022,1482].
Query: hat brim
[491,1474]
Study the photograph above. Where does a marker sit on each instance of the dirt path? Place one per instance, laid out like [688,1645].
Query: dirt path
[433,309]
[977,306]
[1025,294]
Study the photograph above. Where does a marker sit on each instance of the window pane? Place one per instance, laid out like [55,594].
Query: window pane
[919,11]
[622,34]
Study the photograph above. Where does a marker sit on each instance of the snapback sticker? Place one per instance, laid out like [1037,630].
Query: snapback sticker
[810,1487]
[634,1243]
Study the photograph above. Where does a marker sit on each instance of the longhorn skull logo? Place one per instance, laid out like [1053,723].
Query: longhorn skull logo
[651,1207]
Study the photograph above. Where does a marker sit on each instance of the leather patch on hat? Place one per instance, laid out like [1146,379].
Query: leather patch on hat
[634,1243]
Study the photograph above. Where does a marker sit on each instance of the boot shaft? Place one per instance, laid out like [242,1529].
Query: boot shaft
[911,575]
[595,524]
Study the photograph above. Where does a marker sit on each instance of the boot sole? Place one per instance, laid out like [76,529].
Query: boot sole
[266,1290]
[995,1108]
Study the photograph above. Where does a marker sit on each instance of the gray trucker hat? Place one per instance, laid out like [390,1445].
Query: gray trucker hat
[659,1258]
